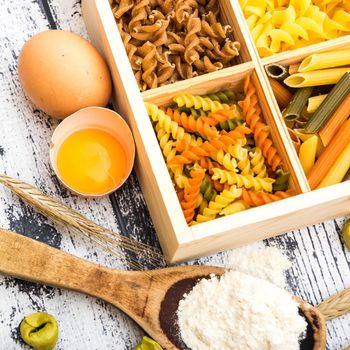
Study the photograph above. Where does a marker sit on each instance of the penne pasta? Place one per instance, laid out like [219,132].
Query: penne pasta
[334,122]
[315,102]
[347,176]
[307,153]
[316,78]
[295,139]
[276,71]
[297,104]
[329,105]
[329,155]
[283,96]
[338,170]
[325,60]
[293,68]
[303,137]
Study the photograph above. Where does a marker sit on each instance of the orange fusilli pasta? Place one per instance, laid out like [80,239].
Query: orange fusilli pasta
[191,193]
[255,199]
[252,113]
[191,124]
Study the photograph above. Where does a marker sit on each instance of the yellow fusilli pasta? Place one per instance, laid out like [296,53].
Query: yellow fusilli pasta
[198,102]
[257,161]
[246,181]
[219,203]
[235,207]
[224,159]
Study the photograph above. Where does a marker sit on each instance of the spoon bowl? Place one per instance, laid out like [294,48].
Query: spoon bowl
[149,297]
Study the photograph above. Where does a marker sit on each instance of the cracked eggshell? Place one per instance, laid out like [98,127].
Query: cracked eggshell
[61,72]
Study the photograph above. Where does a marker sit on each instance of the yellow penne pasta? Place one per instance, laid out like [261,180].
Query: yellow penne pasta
[325,60]
[303,137]
[314,102]
[307,153]
[316,78]
[338,169]
[293,68]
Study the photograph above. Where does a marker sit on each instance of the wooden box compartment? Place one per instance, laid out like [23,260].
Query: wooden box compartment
[296,57]
[226,17]
[178,240]
[288,53]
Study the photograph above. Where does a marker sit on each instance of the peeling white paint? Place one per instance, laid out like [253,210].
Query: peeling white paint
[320,264]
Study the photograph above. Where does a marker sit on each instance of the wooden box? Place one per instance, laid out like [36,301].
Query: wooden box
[178,240]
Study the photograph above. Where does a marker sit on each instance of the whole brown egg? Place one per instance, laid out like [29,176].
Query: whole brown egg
[61,72]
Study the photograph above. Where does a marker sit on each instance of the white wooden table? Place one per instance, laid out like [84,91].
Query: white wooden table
[321,264]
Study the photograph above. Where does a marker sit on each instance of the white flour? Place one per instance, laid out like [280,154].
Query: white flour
[257,260]
[240,312]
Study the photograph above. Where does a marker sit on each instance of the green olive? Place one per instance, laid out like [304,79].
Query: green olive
[39,330]
[148,344]
[346,233]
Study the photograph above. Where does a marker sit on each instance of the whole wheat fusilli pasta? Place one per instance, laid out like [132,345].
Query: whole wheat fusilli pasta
[178,39]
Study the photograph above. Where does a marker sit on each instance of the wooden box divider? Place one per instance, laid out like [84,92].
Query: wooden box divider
[266,221]
[178,240]
[215,81]
[299,54]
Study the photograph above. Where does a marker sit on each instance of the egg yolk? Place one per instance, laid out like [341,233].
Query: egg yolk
[91,161]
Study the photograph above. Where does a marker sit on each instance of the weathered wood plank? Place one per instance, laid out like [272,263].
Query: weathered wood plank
[320,266]
[85,322]
[128,203]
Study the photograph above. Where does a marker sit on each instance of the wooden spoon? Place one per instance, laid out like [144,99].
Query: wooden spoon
[148,297]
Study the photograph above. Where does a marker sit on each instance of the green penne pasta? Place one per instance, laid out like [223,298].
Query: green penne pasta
[316,78]
[325,60]
[297,104]
[329,105]
[276,71]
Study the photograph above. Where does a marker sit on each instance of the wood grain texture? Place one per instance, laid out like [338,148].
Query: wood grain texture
[321,265]
[139,294]
[25,137]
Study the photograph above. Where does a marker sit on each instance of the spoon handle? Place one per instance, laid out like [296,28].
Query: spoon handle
[30,260]
[27,259]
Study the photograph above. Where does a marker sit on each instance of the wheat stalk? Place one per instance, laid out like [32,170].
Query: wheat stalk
[335,306]
[111,241]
